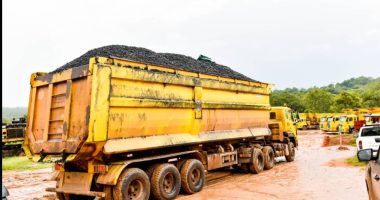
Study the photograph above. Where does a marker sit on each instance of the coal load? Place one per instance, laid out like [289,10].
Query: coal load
[171,60]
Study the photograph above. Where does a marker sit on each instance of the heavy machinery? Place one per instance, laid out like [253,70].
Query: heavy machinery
[323,123]
[332,123]
[123,129]
[301,124]
[346,123]
[13,137]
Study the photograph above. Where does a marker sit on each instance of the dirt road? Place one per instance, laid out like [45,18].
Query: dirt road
[317,173]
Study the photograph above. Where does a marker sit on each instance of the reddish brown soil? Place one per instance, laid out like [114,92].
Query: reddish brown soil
[316,173]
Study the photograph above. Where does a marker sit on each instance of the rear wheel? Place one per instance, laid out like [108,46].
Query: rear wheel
[132,184]
[257,164]
[192,176]
[292,152]
[268,157]
[166,182]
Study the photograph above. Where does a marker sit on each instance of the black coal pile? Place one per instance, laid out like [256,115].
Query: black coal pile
[150,57]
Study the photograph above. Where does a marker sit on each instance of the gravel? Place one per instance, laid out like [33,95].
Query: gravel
[171,60]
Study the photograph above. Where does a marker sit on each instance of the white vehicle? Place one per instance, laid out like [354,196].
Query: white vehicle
[366,138]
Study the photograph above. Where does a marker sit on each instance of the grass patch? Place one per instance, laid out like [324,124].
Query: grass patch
[355,162]
[20,163]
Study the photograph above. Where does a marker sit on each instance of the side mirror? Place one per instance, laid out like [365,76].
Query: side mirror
[365,155]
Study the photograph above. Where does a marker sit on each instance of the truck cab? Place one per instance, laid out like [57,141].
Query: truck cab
[332,123]
[301,124]
[287,119]
[323,123]
[346,123]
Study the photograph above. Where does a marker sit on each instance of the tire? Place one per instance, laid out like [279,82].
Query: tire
[292,152]
[268,157]
[133,183]
[165,182]
[257,164]
[60,196]
[192,176]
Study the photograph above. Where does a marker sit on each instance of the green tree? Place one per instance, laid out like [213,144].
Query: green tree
[346,100]
[371,94]
[292,100]
[318,100]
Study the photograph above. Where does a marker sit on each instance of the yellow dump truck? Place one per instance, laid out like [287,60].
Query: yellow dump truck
[332,123]
[123,129]
[346,123]
[301,124]
[323,123]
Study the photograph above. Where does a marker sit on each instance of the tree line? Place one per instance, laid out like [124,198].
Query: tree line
[360,92]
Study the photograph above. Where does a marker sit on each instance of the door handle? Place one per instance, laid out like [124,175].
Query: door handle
[377,177]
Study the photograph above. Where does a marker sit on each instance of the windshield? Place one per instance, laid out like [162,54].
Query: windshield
[329,119]
[373,131]
[323,119]
[343,119]
[367,119]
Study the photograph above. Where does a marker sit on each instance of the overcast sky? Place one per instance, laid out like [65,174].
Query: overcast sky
[298,43]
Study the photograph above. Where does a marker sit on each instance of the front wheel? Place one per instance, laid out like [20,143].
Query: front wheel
[292,152]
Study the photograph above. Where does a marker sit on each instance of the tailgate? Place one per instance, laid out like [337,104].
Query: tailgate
[58,111]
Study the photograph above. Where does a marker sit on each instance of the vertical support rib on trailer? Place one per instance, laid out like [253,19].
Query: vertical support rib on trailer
[66,119]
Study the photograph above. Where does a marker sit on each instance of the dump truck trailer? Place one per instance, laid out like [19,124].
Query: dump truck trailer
[124,129]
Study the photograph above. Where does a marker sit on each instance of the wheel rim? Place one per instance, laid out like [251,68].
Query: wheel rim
[135,189]
[195,176]
[168,183]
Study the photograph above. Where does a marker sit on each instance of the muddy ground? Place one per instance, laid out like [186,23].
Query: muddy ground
[317,173]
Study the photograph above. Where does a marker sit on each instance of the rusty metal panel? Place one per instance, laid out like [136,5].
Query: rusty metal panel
[41,113]
[219,160]
[76,181]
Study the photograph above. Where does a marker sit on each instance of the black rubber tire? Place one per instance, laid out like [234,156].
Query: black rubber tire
[158,182]
[188,169]
[60,196]
[292,152]
[257,164]
[135,176]
[268,157]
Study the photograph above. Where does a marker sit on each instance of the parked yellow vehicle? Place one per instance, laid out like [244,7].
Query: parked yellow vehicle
[301,124]
[373,118]
[323,123]
[347,123]
[332,123]
[110,123]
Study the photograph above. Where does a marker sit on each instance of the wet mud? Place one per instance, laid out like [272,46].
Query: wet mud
[317,173]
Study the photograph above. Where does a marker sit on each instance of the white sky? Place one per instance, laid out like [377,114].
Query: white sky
[299,43]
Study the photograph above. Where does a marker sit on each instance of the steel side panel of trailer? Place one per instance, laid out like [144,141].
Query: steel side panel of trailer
[131,106]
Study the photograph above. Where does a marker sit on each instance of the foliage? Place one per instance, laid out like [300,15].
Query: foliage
[353,93]
[346,100]
[10,113]
[318,100]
